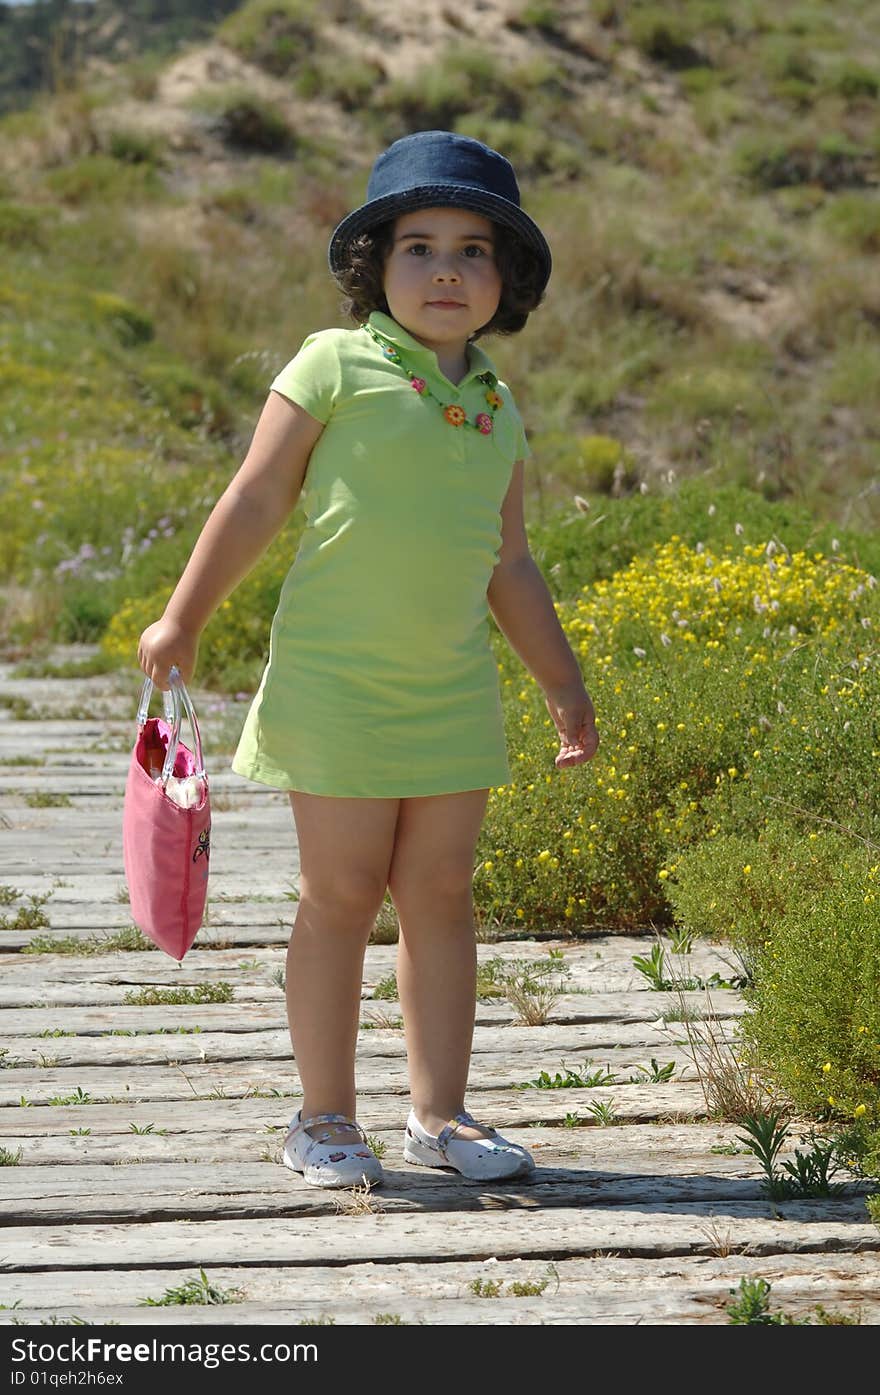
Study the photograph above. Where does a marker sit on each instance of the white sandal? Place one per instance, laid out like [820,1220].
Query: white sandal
[326,1164]
[482,1160]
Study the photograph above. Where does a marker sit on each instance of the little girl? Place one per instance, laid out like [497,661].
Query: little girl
[379,708]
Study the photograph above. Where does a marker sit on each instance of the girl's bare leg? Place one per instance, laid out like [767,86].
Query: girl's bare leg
[430,881]
[345,848]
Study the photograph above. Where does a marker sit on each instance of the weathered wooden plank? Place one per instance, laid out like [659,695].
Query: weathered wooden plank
[226,930]
[641,1307]
[262,880]
[656,1230]
[94,778]
[705,1276]
[270,906]
[77,1053]
[456,1312]
[664,1149]
[85,1021]
[113,988]
[593,959]
[264,1009]
[382,1070]
[110,992]
[48,970]
[204,1197]
[577,973]
[17,735]
[380,1108]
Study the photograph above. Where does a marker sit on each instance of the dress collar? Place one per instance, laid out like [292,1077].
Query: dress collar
[394,333]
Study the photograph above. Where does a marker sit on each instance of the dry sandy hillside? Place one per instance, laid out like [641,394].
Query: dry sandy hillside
[401,43]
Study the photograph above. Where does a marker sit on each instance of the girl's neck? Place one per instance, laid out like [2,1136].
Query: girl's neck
[453,364]
[453,360]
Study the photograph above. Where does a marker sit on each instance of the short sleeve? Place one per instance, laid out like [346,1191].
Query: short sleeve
[312,378]
[514,436]
[523,449]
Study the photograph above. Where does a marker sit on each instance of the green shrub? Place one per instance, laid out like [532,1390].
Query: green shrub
[248,122]
[809,712]
[855,219]
[813,1014]
[688,655]
[717,391]
[854,370]
[199,1290]
[135,147]
[443,91]
[832,160]
[24,225]
[665,35]
[750,1307]
[189,395]
[83,614]
[853,81]
[101,178]
[695,82]
[802,910]
[605,465]
[738,888]
[576,550]
[277,33]
[352,82]
[782,59]
[796,92]
[536,14]
[130,324]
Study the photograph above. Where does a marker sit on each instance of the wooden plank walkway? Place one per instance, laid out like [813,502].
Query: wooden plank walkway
[149,1136]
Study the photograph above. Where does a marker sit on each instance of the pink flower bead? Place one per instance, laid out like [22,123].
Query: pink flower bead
[419,384]
[484,423]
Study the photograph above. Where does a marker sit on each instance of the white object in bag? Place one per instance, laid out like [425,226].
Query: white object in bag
[185,791]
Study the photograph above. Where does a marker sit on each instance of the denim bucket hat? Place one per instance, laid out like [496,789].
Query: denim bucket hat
[439,168]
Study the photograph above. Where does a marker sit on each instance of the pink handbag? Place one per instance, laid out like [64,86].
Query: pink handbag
[166,847]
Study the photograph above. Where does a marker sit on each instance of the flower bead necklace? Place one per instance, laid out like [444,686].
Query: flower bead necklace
[454,414]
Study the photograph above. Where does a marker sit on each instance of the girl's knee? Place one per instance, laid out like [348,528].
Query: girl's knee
[351,893]
[444,883]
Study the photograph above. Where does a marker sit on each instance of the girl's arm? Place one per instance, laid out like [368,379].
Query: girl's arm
[524,611]
[242,524]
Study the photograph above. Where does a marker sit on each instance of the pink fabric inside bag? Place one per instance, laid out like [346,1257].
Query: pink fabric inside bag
[166,848]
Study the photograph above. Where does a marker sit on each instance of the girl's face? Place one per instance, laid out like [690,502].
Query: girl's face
[441,280]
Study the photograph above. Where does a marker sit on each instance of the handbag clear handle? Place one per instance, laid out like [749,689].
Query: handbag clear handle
[176,700]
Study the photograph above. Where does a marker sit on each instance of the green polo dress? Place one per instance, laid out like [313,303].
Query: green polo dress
[380,681]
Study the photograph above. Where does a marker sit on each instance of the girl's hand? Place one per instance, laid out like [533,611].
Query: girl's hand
[163,644]
[572,711]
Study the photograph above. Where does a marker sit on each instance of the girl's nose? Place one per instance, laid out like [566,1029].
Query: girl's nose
[446,272]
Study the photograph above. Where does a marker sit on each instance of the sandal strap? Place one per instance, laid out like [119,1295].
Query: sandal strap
[329,1119]
[304,1125]
[446,1134]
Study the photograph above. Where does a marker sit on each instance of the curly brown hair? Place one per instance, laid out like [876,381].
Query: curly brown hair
[521,282]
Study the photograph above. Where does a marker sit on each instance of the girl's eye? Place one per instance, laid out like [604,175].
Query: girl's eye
[418,248]
[472,247]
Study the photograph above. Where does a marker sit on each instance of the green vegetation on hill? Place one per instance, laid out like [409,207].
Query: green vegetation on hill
[43,44]
[712,313]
